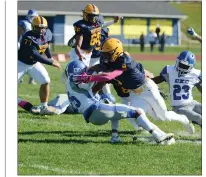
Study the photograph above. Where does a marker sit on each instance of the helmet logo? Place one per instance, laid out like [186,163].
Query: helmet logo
[77,70]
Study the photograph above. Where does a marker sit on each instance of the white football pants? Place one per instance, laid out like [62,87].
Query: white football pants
[86,55]
[36,71]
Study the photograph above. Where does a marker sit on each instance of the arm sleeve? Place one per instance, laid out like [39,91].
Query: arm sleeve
[48,52]
[106,76]
[40,58]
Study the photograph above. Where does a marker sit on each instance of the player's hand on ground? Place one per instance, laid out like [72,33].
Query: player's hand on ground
[81,78]
[191,31]
[56,64]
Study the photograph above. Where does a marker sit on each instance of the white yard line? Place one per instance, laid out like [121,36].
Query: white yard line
[47,168]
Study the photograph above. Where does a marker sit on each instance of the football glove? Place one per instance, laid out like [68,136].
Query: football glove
[191,31]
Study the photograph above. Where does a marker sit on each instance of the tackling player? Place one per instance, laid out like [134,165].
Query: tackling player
[24,26]
[130,78]
[34,43]
[83,99]
[182,78]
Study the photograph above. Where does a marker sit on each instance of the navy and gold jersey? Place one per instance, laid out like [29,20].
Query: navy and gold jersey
[133,75]
[33,41]
[104,35]
[91,34]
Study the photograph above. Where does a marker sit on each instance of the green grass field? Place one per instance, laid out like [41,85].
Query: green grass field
[67,145]
[136,49]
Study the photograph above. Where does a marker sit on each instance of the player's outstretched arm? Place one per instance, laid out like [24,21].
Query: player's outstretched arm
[192,32]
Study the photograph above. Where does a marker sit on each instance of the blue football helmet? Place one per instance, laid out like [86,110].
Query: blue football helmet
[76,67]
[31,14]
[185,62]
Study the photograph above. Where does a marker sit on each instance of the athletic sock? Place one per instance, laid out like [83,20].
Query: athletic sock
[144,122]
[44,104]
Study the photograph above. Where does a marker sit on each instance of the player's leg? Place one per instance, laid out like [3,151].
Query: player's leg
[25,105]
[197,107]
[22,70]
[153,97]
[40,74]
[120,111]
[115,128]
[189,111]
[31,81]
[74,56]
[62,104]
[135,103]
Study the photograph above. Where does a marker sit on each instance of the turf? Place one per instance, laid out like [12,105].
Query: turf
[136,49]
[67,145]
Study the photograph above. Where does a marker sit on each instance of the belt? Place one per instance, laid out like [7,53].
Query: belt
[139,90]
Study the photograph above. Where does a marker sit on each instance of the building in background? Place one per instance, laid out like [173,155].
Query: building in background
[139,17]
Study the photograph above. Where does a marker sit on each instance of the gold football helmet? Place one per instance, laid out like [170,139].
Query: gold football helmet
[90,13]
[111,49]
[39,24]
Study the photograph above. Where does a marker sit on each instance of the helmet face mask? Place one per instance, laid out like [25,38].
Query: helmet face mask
[108,56]
[185,63]
[39,25]
[111,49]
[76,68]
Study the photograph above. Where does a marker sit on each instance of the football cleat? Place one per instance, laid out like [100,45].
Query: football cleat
[47,110]
[162,138]
[115,139]
[35,110]
[168,142]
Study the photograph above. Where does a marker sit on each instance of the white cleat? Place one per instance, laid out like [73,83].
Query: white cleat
[163,138]
[168,142]
[190,128]
[47,110]
[35,110]
[115,139]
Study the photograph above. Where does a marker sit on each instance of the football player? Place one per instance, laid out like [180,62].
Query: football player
[24,26]
[83,99]
[192,32]
[34,43]
[87,34]
[182,77]
[131,78]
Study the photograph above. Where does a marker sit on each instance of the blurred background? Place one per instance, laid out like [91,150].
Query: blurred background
[146,26]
